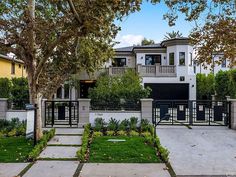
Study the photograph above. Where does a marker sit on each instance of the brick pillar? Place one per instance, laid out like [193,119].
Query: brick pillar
[3,108]
[233,113]
[84,107]
[146,109]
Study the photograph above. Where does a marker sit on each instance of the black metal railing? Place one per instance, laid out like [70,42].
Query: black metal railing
[61,113]
[116,106]
[191,112]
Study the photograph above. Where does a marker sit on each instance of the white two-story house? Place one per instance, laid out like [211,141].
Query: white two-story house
[167,68]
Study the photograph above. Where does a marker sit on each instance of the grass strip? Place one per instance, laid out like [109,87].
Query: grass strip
[26,169]
[78,170]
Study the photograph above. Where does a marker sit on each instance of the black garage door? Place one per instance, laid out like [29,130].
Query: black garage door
[169,91]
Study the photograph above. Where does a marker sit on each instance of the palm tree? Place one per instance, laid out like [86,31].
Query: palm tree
[172,35]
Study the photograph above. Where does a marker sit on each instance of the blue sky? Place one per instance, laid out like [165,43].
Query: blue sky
[149,23]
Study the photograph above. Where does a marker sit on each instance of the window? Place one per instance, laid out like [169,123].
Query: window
[191,59]
[152,59]
[12,68]
[19,66]
[59,92]
[66,91]
[171,58]
[182,58]
[119,62]
[223,64]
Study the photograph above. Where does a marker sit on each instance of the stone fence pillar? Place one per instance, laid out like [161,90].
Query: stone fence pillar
[3,108]
[233,113]
[146,109]
[84,107]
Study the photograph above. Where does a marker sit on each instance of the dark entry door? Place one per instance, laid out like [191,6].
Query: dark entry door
[84,87]
[168,91]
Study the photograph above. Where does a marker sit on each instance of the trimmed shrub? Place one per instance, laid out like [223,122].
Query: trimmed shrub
[121,133]
[110,133]
[113,124]
[41,145]
[97,134]
[133,133]
[99,124]
[82,152]
[133,123]
[124,125]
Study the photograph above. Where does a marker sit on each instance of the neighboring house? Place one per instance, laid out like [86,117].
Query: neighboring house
[10,67]
[167,68]
[214,67]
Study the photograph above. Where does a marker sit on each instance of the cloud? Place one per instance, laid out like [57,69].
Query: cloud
[128,40]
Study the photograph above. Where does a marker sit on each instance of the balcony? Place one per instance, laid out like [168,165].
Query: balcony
[156,70]
[114,71]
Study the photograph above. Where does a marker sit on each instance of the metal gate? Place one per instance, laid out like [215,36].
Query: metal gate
[191,112]
[61,113]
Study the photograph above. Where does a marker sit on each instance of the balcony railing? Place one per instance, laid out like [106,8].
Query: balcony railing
[157,70]
[117,70]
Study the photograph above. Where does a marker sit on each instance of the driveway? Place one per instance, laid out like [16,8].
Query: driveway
[201,150]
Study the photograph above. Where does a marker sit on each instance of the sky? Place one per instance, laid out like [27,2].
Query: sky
[149,23]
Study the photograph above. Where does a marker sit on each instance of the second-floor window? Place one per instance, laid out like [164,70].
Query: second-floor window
[191,58]
[119,62]
[181,58]
[12,68]
[171,58]
[152,59]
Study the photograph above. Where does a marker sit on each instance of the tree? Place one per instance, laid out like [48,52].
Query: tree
[172,35]
[110,90]
[146,41]
[205,86]
[216,34]
[51,37]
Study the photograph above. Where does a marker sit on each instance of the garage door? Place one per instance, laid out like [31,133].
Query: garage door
[169,91]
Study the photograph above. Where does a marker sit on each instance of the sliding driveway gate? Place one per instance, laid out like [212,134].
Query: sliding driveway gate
[189,112]
[61,113]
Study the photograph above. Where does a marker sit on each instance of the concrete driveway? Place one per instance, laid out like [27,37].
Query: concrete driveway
[201,150]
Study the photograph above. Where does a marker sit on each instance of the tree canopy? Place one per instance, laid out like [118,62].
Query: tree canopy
[215,30]
[172,35]
[146,41]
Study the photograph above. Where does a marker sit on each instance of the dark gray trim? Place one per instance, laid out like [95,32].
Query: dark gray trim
[148,50]
[176,41]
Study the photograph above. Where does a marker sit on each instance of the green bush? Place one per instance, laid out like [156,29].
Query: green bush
[99,124]
[110,133]
[146,134]
[41,145]
[124,125]
[144,125]
[97,134]
[121,133]
[111,90]
[205,86]
[5,87]
[113,124]
[133,123]
[133,133]
[82,152]
[13,127]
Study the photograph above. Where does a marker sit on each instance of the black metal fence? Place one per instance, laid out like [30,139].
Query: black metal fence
[61,113]
[191,112]
[116,106]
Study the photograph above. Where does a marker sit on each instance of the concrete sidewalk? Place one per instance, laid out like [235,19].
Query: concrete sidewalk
[11,169]
[124,170]
[201,150]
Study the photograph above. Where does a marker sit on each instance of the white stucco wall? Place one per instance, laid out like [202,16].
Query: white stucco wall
[20,114]
[118,115]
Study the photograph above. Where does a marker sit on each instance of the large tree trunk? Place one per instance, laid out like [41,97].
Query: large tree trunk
[35,97]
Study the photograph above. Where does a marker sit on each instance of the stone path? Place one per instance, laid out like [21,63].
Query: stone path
[11,169]
[58,159]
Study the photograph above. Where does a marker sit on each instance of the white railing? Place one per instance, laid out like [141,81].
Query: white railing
[157,70]
[118,70]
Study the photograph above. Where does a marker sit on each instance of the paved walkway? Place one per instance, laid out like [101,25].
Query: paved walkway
[11,169]
[201,150]
[58,159]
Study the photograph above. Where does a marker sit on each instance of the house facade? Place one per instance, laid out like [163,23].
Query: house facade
[10,67]
[167,68]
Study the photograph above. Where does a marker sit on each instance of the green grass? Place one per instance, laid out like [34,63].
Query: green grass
[133,150]
[14,149]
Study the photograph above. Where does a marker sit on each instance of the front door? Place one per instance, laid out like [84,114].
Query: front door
[85,85]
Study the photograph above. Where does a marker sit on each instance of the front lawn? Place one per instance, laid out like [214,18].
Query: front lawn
[14,149]
[133,150]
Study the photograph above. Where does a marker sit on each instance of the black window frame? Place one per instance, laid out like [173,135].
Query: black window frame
[153,59]
[118,64]
[173,58]
[180,63]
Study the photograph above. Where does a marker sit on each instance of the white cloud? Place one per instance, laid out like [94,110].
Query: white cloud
[128,40]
